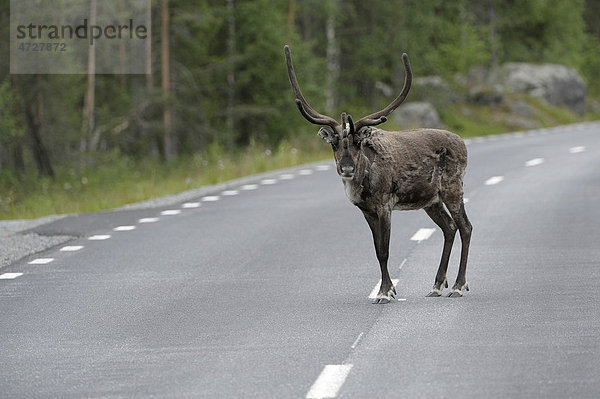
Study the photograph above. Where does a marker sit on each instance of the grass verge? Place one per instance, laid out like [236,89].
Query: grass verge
[120,180]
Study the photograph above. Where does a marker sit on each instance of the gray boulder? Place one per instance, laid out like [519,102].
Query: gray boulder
[417,114]
[557,84]
[486,94]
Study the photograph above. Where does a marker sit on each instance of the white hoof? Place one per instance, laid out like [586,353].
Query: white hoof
[437,291]
[385,297]
[458,292]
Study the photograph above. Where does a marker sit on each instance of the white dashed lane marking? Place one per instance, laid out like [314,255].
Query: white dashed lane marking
[210,198]
[71,248]
[170,212]
[247,187]
[10,276]
[534,162]
[575,150]
[148,220]
[494,180]
[357,340]
[124,228]
[322,168]
[41,261]
[286,176]
[268,182]
[329,382]
[191,205]
[305,172]
[230,193]
[422,234]
[99,237]
[402,264]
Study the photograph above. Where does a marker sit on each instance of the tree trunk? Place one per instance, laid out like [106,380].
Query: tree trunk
[494,61]
[34,114]
[89,101]
[229,113]
[291,17]
[333,63]
[17,144]
[149,76]
[168,144]
[122,55]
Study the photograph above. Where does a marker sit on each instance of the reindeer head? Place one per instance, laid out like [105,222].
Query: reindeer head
[345,138]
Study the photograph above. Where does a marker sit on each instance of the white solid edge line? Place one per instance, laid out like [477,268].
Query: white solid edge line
[10,276]
[329,381]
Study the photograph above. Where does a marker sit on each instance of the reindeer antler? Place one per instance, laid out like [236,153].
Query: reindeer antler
[305,109]
[381,116]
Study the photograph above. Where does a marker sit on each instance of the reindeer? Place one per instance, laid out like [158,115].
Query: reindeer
[384,171]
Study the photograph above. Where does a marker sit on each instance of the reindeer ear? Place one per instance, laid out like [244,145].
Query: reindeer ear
[327,134]
[363,133]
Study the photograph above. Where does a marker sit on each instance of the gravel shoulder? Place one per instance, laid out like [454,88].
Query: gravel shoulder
[16,242]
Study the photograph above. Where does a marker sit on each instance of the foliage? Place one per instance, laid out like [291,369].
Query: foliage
[228,83]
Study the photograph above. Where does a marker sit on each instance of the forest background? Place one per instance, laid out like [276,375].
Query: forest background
[218,103]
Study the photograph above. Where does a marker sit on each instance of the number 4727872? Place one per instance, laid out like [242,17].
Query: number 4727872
[48,47]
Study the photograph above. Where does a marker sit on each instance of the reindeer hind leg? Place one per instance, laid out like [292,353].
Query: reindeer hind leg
[465,229]
[440,217]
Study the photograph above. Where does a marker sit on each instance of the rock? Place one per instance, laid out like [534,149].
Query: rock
[521,108]
[433,89]
[477,75]
[486,94]
[384,88]
[433,81]
[557,84]
[417,114]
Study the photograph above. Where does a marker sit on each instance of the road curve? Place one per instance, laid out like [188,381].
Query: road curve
[261,291]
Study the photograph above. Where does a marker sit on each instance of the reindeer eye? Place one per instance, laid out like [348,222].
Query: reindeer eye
[334,143]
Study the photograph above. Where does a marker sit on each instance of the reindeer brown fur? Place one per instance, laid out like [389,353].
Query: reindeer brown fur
[407,170]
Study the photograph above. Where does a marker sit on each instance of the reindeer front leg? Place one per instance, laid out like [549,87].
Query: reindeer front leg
[380,224]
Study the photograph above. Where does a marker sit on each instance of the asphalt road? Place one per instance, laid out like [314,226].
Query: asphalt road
[261,291]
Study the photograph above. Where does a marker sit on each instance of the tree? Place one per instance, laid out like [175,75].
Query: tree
[169,145]
[89,122]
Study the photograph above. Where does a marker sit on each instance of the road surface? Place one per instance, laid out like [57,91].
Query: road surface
[262,291]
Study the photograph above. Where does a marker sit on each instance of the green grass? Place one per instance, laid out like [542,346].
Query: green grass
[119,180]
[470,120]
